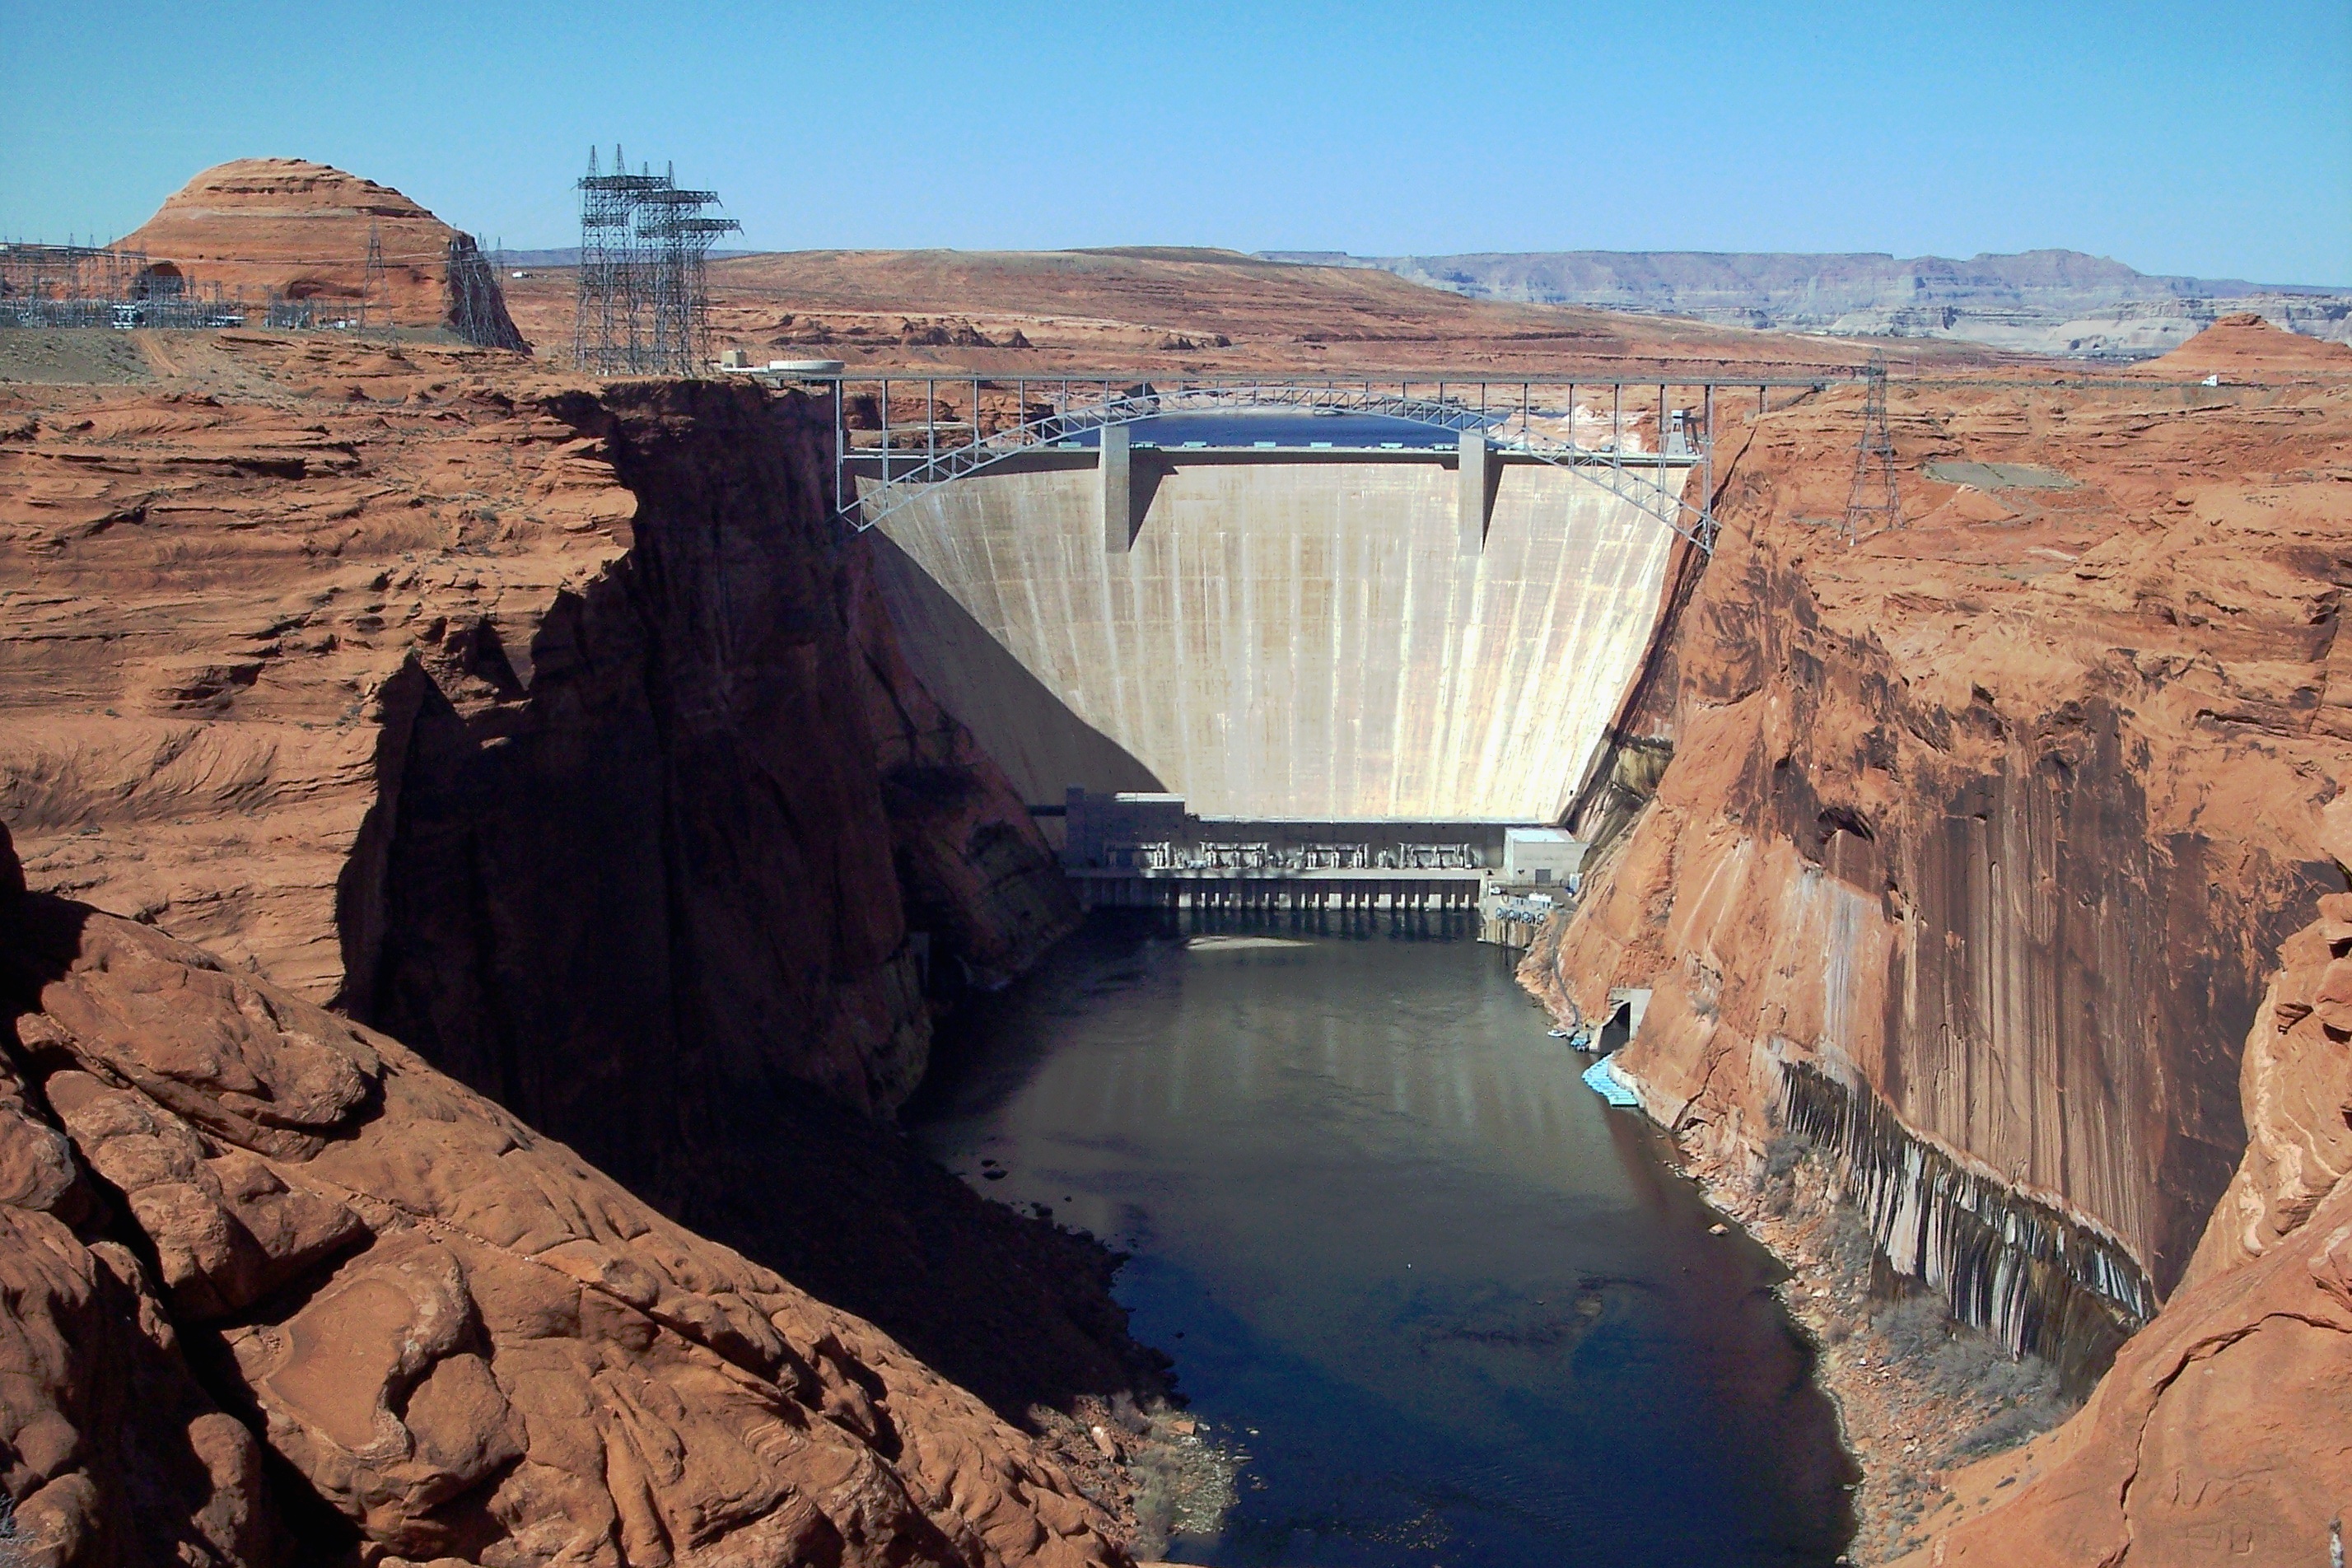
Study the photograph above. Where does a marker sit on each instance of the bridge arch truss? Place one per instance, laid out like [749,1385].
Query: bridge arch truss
[907,435]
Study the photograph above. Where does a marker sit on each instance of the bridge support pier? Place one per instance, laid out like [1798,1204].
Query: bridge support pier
[1117,490]
[1475,503]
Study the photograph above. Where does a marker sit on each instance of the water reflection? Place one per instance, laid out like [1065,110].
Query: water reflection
[1454,1310]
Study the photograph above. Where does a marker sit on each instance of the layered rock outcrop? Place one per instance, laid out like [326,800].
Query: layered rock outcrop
[234,1224]
[1978,843]
[319,638]
[656,832]
[301,231]
[554,725]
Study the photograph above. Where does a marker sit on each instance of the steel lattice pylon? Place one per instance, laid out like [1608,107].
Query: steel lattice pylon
[1874,495]
[642,307]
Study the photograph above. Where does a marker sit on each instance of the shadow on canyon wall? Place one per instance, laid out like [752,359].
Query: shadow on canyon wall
[1031,732]
[654,901]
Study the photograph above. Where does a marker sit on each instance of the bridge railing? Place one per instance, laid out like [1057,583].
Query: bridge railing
[874,480]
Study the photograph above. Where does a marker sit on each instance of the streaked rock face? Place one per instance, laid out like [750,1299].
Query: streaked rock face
[2216,1434]
[1998,825]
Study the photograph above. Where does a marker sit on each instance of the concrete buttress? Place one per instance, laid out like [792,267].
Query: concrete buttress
[1476,500]
[1117,490]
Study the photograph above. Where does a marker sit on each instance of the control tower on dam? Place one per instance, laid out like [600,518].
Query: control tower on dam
[1283,636]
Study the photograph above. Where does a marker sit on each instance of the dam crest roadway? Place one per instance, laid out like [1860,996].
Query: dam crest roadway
[1284,601]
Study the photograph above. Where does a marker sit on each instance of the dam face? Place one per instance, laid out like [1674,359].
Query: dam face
[1284,640]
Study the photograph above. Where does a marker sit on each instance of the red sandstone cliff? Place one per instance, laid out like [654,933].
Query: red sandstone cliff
[553,726]
[301,231]
[2219,1433]
[1978,845]
[315,636]
[225,1213]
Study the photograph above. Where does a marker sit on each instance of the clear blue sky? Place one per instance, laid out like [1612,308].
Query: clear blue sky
[2210,139]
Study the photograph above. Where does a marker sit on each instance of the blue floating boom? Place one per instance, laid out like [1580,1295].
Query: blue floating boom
[1602,1078]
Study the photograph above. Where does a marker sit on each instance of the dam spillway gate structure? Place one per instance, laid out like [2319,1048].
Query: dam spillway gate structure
[1287,600]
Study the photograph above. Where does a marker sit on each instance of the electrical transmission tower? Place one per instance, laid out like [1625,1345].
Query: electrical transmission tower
[371,278]
[1873,496]
[643,304]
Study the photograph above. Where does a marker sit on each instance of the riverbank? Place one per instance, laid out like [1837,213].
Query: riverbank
[1918,1395]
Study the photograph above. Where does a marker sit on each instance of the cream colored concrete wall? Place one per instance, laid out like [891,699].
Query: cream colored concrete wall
[1286,640]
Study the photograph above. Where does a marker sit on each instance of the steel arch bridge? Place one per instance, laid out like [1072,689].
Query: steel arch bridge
[890,463]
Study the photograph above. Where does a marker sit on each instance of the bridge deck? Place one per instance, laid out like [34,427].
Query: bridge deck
[903,444]
[870,461]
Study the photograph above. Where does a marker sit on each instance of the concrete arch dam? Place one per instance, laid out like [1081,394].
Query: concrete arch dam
[1282,639]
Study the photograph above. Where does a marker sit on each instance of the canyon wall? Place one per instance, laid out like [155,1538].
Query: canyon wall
[560,727]
[1299,640]
[1981,837]
[280,1292]
[666,838]
[347,661]
[2217,1436]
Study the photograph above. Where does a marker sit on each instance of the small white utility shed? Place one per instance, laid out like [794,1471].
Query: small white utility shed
[1539,855]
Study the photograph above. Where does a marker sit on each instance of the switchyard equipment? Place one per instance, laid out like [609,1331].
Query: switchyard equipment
[643,301]
[110,286]
[30,271]
[101,286]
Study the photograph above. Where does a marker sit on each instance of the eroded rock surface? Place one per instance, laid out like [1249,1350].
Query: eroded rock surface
[1988,833]
[291,229]
[551,728]
[508,715]
[229,1212]
[205,584]
[2004,814]
[2220,1434]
